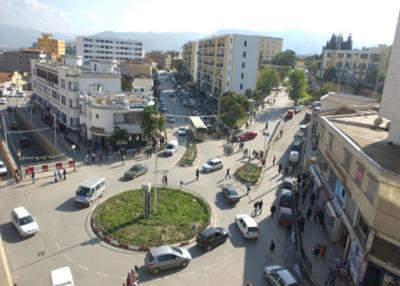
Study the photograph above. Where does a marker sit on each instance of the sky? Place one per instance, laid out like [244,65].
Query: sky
[367,20]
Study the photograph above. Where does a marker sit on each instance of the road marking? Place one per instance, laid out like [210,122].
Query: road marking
[83,267]
[103,274]
[58,246]
[67,257]
[211,266]
[187,274]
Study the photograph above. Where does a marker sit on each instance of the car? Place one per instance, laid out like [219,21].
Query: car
[316,104]
[212,237]
[62,277]
[230,194]
[307,117]
[181,131]
[286,198]
[294,157]
[285,217]
[300,135]
[13,125]
[166,257]
[171,147]
[196,112]
[297,145]
[279,276]
[3,169]
[163,108]
[90,190]
[297,108]
[287,183]
[247,226]
[171,119]
[10,108]
[212,165]
[135,171]
[3,100]
[24,222]
[290,114]
[247,136]
[303,128]
[317,109]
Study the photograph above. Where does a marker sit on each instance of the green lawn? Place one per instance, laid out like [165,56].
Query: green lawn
[189,156]
[249,173]
[121,216]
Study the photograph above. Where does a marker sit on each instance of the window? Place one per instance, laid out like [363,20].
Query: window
[328,55]
[242,76]
[63,101]
[330,141]
[73,85]
[244,54]
[118,118]
[245,43]
[362,228]
[97,116]
[346,160]
[243,65]
[360,170]
[372,188]
[241,86]
[62,83]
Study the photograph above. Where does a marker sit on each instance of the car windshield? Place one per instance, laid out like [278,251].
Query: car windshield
[232,193]
[181,128]
[169,146]
[25,220]
[253,229]
[83,191]
[136,167]
[210,162]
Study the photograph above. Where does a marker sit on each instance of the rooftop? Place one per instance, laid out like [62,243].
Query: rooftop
[143,83]
[118,101]
[360,129]
[5,76]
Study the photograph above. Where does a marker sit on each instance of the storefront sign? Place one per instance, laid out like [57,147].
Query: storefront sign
[97,129]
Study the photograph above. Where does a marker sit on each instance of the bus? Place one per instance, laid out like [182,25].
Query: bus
[197,128]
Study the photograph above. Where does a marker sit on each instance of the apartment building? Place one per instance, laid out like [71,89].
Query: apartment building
[57,85]
[189,58]
[101,48]
[231,62]
[20,60]
[354,65]
[55,48]
[357,179]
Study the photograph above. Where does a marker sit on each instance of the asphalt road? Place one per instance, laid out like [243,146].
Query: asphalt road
[65,237]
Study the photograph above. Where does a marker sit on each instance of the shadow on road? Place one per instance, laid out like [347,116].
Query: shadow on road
[221,203]
[9,233]
[68,206]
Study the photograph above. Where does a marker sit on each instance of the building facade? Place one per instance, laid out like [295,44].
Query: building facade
[20,60]
[134,69]
[55,48]
[92,47]
[162,60]
[189,58]
[354,65]
[57,85]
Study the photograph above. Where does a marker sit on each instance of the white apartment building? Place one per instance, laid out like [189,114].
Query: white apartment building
[91,47]
[57,86]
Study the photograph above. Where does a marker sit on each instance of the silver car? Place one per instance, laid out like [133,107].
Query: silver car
[166,257]
[135,171]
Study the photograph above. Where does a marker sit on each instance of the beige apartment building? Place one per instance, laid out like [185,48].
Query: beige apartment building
[53,47]
[354,65]
[189,58]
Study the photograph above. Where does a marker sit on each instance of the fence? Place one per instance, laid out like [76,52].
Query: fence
[49,166]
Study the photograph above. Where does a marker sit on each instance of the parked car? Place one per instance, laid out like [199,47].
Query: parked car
[230,194]
[286,198]
[316,104]
[300,135]
[3,100]
[13,125]
[297,108]
[297,145]
[3,169]
[166,257]
[307,117]
[290,114]
[287,183]
[294,157]
[317,109]
[135,171]
[171,119]
[181,131]
[247,136]
[279,276]
[247,226]
[24,222]
[62,277]
[212,237]
[212,165]
[171,147]
[285,217]
[303,128]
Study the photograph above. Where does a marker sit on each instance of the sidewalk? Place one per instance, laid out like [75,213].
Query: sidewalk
[5,275]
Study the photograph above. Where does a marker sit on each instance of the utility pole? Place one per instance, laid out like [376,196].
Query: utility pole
[55,129]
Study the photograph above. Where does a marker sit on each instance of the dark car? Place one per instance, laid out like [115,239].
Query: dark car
[285,217]
[297,146]
[247,136]
[135,171]
[230,194]
[212,237]
[286,198]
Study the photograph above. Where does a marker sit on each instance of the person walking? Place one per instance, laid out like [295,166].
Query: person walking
[266,125]
[303,196]
[316,214]
[273,210]
[166,180]
[33,176]
[55,176]
[302,222]
[279,168]
[248,188]
[197,174]
[123,159]
[260,205]
[255,206]
[312,199]
[65,174]
[273,161]
[228,173]
[271,247]
[308,213]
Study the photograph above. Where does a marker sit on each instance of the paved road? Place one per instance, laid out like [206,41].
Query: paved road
[66,239]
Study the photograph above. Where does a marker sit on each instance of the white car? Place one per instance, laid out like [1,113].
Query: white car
[182,131]
[279,276]
[247,226]
[62,277]
[3,100]
[212,165]
[24,222]
[294,157]
[3,168]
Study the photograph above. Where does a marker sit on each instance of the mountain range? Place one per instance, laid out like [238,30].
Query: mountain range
[303,43]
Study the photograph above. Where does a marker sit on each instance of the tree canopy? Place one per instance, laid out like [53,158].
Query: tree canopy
[297,85]
[330,74]
[286,58]
[337,43]
[267,79]
[233,107]
[151,122]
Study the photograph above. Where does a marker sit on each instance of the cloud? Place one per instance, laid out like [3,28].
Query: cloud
[33,14]
[92,17]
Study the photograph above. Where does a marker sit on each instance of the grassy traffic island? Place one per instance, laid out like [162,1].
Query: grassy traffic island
[189,156]
[248,173]
[180,216]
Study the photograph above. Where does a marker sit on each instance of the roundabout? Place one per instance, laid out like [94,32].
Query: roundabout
[178,217]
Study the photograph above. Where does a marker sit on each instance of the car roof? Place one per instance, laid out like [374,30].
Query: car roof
[285,210]
[21,212]
[157,251]
[61,275]
[288,180]
[215,160]
[297,143]
[286,276]
[210,231]
[89,182]
[248,219]
[286,192]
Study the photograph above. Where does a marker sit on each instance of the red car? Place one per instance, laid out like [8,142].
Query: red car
[247,136]
[285,217]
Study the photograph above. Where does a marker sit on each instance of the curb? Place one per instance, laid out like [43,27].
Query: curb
[127,246]
[189,165]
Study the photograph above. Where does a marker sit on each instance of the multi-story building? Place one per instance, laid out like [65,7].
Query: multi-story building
[92,47]
[161,59]
[189,58]
[20,60]
[57,85]
[55,48]
[354,65]
[231,62]
[357,179]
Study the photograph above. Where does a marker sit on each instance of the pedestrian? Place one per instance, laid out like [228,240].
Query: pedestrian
[33,176]
[272,246]
[316,214]
[65,174]
[93,157]
[260,205]
[316,249]
[197,174]
[302,223]
[55,176]
[181,184]
[273,161]
[279,168]
[147,153]
[280,133]
[59,174]
[285,172]
[255,206]
[248,188]
[266,125]
[309,213]
[123,159]
[312,199]
[303,196]
[330,278]
[273,210]
[321,225]
[228,173]
[166,180]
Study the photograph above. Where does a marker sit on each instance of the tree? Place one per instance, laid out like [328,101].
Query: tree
[286,58]
[120,135]
[126,84]
[330,74]
[267,79]
[152,122]
[331,44]
[233,107]
[297,85]
[348,44]
[248,92]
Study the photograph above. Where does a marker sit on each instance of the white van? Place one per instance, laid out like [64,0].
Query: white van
[171,147]
[90,190]
[247,226]
[62,277]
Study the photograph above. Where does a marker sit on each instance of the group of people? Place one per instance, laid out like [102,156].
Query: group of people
[58,175]
[258,205]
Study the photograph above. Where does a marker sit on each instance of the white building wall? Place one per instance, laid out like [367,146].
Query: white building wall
[109,84]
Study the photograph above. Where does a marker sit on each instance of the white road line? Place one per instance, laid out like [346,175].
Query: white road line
[187,274]
[103,274]
[58,246]
[83,267]
[211,266]
[67,257]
